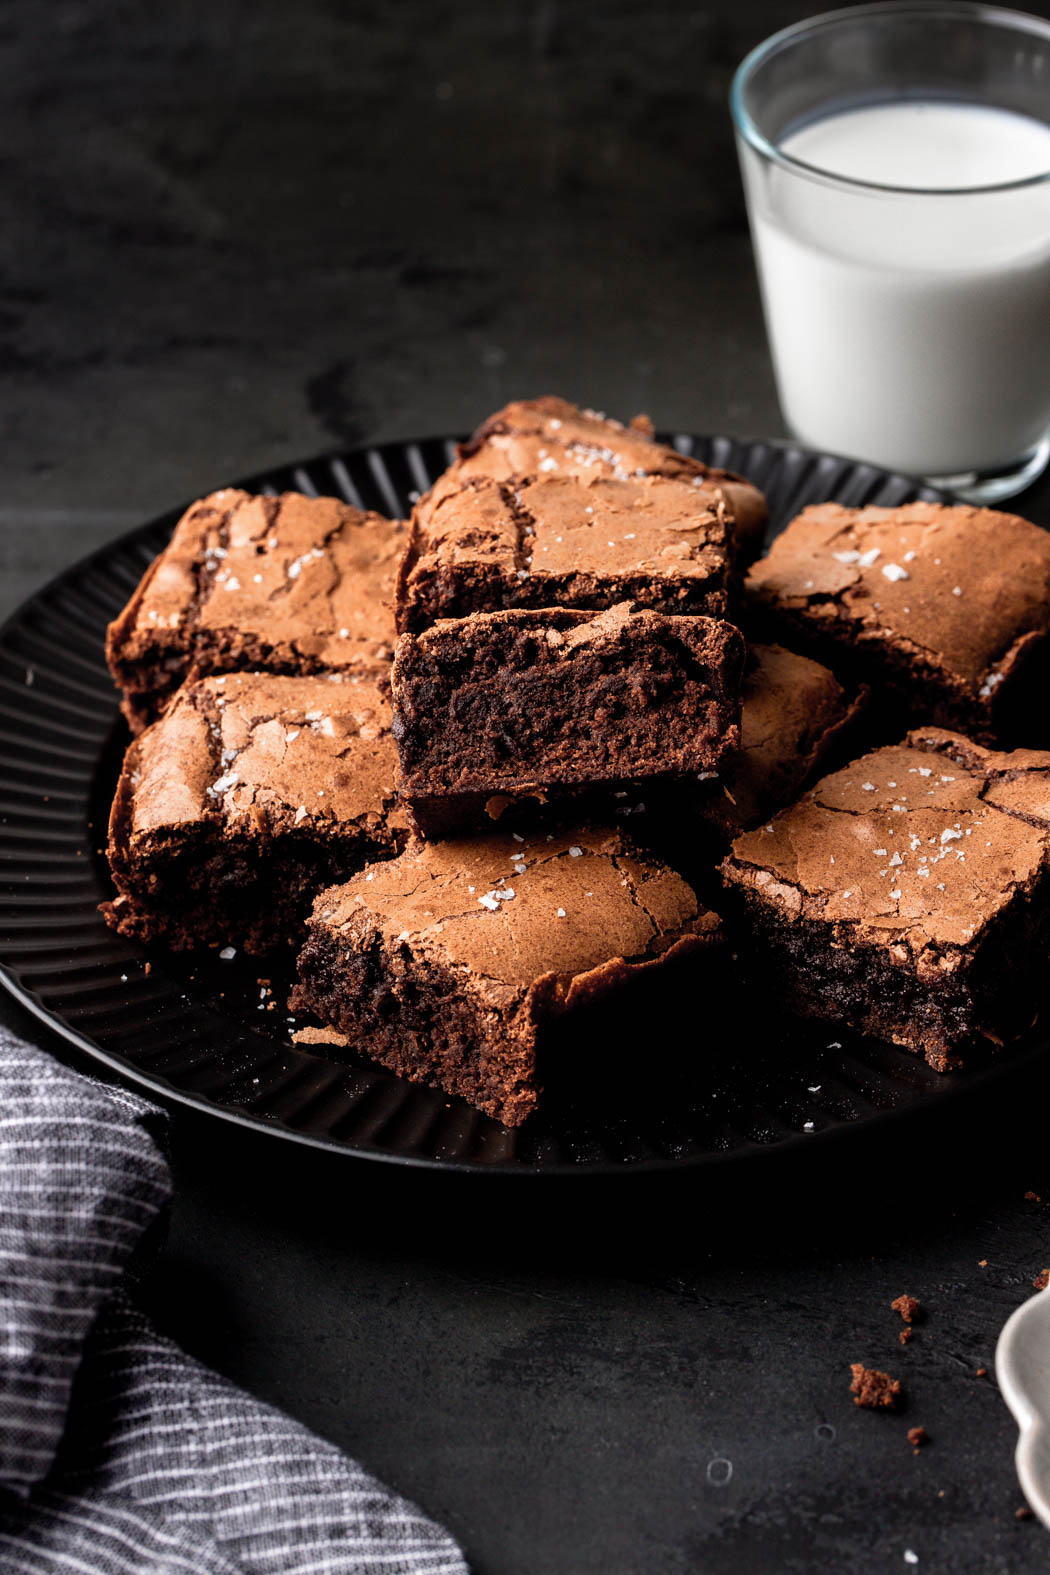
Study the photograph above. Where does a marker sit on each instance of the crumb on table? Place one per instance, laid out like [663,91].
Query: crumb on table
[917,1436]
[1042,1280]
[908,1307]
[873,1388]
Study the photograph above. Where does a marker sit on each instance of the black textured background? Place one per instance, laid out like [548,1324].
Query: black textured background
[237,233]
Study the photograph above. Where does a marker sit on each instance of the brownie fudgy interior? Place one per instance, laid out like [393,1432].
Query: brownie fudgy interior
[285,584]
[453,964]
[907,894]
[500,706]
[251,793]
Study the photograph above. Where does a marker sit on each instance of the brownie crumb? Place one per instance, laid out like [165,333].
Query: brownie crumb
[1032,1197]
[1024,1513]
[982,1372]
[905,1335]
[917,1436]
[873,1388]
[982,1263]
[908,1307]
[1042,1280]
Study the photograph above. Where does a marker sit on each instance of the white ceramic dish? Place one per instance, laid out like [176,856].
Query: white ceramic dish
[1022,1366]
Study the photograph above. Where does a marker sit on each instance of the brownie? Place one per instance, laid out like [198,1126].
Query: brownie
[457,963]
[496,708]
[250,794]
[480,545]
[793,713]
[907,894]
[285,584]
[532,437]
[941,607]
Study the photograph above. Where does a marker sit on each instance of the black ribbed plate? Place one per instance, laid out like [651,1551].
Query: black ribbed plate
[696,1093]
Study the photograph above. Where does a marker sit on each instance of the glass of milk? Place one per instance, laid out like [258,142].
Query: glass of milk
[896,164]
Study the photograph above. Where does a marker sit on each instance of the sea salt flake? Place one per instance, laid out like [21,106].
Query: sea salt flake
[895,895]
[880,853]
[866,559]
[925,771]
[575,853]
[893,571]
[489,901]
[896,859]
[956,590]
[949,835]
[807,1126]
[561,913]
[850,555]
[908,557]
[834,1045]
[301,814]
[706,776]
[228,953]
[868,787]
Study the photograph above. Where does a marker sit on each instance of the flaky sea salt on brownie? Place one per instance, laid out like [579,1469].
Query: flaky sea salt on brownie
[944,607]
[456,964]
[909,893]
[288,584]
[499,708]
[481,545]
[533,437]
[251,793]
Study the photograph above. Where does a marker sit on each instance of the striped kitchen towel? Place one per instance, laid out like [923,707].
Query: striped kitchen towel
[119,1454]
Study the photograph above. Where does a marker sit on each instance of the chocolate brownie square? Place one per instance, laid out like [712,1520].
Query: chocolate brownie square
[533,437]
[496,708]
[941,607]
[251,793]
[793,713]
[285,584]
[480,545]
[458,963]
[909,893]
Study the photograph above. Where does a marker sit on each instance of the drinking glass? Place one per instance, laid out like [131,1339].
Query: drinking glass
[908,313]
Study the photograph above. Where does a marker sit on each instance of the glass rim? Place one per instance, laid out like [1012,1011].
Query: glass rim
[1020,21]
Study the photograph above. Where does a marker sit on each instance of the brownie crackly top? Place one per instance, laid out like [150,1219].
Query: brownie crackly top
[551,436]
[960,592]
[514,910]
[265,755]
[482,545]
[916,847]
[289,583]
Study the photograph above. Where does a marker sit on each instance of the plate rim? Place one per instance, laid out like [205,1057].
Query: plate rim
[794,1142]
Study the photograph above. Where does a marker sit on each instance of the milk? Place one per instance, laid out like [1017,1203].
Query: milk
[909,329]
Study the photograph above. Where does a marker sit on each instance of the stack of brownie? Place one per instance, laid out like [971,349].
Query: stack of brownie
[465,766]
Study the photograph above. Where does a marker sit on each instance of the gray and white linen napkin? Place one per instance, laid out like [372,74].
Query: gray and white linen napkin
[119,1454]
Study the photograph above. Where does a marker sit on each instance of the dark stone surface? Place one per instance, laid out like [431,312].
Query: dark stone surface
[238,234]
